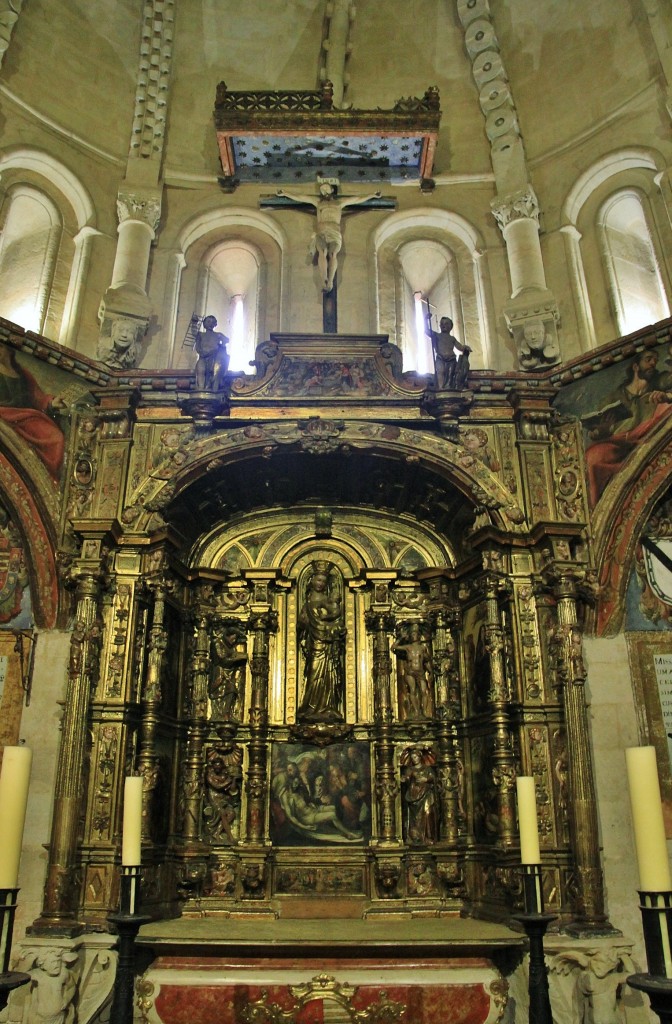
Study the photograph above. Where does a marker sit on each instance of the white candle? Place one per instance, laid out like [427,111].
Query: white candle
[527,820]
[131,840]
[647,819]
[14,779]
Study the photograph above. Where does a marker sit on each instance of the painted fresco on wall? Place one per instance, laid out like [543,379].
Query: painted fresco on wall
[320,796]
[15,604]
[619,408]
[34,398]
[649,595]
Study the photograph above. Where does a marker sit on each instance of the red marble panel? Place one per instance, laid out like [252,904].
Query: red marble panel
[222,1004]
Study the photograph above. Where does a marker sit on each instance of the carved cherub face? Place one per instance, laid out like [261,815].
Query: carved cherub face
[446,324]
[210,322]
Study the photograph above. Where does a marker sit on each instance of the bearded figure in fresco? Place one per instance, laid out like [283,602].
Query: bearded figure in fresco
[321,634]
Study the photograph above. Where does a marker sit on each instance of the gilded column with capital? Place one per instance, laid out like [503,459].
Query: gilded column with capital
[566,646]
[62,886]
[379,624]
[493,588]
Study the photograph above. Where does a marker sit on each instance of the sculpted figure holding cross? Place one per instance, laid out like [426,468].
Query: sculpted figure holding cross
[327,238]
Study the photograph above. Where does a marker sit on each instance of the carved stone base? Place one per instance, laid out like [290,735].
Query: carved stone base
[204,406]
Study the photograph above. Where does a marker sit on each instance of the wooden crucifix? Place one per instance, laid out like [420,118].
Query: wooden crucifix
[327,238]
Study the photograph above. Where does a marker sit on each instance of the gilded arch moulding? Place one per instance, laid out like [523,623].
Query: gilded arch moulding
[42,568]
[621,516]
[170,476]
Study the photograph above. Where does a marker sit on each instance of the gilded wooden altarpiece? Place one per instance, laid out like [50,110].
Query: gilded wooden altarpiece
[205,542]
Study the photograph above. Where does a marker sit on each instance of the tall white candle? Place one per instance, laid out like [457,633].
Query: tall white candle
[14,779]
[647,819]
[131,840]
[527,820]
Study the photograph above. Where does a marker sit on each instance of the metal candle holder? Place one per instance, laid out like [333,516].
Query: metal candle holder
[656,908]
[127,923]
[535,922]
[8,979]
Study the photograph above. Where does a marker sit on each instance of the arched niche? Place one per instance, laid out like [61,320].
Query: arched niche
[620,179]
[48,223]
[437,253]
[222,255]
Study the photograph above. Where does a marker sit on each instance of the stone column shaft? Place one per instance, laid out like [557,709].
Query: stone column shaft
[523,249]
[131,261]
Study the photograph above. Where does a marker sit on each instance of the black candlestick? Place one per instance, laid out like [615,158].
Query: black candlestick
[8,979]
[127,923]
[535,922]
[656,908]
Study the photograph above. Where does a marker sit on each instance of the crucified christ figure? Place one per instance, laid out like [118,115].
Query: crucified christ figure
[327,238]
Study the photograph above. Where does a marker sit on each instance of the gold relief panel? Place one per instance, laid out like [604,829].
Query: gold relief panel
[537,484]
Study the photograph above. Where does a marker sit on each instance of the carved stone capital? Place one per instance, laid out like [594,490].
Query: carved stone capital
[139,204]
[519,205]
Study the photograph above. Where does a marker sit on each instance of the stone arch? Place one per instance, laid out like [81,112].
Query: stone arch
[470,476]
[24,500]
[619,519]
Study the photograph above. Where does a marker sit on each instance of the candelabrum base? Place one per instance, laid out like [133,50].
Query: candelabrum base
[8,982]
[659,991]
[535,926]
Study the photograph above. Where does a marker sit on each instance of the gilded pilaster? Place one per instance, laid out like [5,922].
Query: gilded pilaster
[263,624]
[503,761]
[63,880]
[567,649]
[380,623]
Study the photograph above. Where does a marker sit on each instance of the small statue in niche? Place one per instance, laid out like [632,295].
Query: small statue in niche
[223,775]
[321,634]
[419,796]
[414,674]
[227,677]
[213,359]
[449,374]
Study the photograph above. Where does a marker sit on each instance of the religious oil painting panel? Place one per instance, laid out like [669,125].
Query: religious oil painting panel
[321,796]
[650,657]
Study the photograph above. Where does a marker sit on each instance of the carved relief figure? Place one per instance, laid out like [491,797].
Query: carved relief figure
[227,679]
[123,352]
[53,987]
[414,674]
[449,375]
[419,796]
[327,238]
[321,634]
[213,359]
[537,348]
[223,774]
